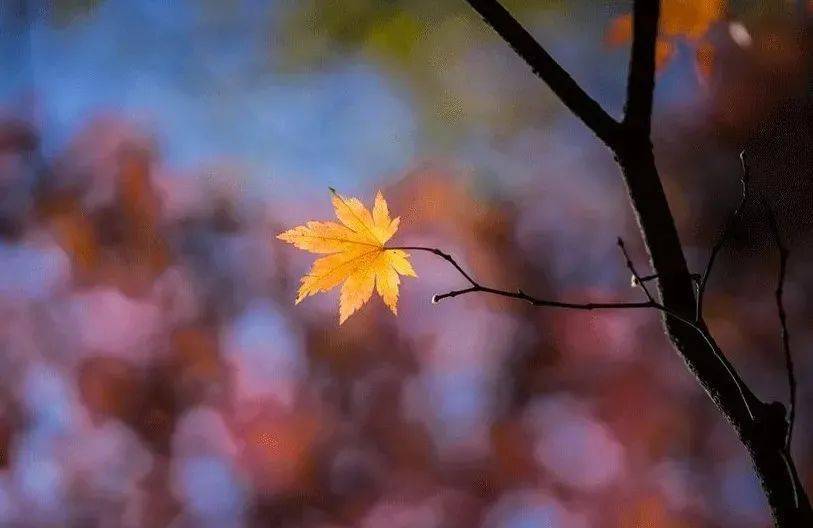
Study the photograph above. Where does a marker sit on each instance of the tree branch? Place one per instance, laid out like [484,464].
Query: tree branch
[698,327]
[780,309]
[637,280]
[519,294]
[760,426]
[641,79]
[547,69]
[729,227]
[675,284]
[696,324]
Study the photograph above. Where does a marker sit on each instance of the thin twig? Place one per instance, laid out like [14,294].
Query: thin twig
[636,278]
[546,68]
[476,287]
[519,294]
[447,257]
[780,308]
[646,278]
[794,476]
[697,325]
[729,228]
[641,81]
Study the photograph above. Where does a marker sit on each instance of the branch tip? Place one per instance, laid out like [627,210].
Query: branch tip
[724,236]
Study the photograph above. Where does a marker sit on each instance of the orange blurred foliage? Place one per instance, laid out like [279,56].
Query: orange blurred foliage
[438,200]
[704,60]
[278,452]
[690,20]
[650,512]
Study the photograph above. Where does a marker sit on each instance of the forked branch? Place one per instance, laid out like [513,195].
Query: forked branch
[727,231]
[519,294]
[476,287]
[546,68]
[631,143]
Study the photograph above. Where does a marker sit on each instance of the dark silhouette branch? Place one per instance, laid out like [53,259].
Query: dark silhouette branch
[447,257]
[761,427]
[641,79]
[783,323]
[519,294]
[727,231]
[647,278]
[637,280]
[476,287]
[547,69]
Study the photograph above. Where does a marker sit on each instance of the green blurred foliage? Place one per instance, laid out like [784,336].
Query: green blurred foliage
[440,51]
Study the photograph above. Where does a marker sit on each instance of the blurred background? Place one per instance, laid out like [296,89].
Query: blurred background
[155,371]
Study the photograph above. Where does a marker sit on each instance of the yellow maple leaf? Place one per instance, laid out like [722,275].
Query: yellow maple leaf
[356,254]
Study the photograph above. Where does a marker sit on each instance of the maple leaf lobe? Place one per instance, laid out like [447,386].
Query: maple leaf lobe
[355,254]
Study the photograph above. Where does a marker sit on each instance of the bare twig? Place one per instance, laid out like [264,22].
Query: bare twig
[637,280]
[729,228]
[647,278]
[476,287]
[697,325]
[519,294]
[780,308]
[546,68]
[641,80]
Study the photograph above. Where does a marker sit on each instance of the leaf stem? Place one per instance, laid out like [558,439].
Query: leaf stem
[519,294]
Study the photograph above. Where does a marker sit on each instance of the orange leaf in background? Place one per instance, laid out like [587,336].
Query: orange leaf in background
[619,31]
[690,18]
[664,50]
[679,18]
[356,255]
[704,63]
[649,511]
